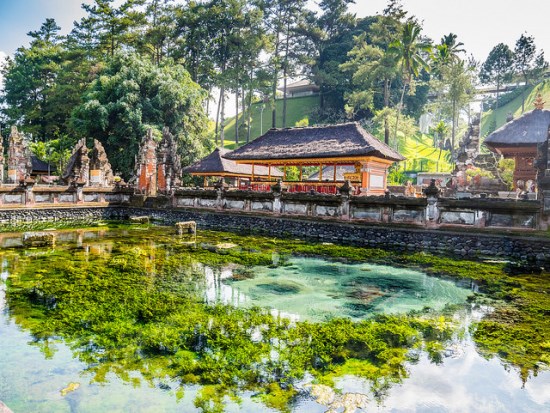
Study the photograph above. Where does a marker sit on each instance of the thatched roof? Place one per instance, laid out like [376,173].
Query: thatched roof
[530,128]
[216,163]
[39,166]
[333,141]
[328,173]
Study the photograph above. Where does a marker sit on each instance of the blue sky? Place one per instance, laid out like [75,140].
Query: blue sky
[18,17]
[479,24]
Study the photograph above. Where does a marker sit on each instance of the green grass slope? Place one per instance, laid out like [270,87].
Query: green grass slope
[422,156]
[514,106]
[298,108]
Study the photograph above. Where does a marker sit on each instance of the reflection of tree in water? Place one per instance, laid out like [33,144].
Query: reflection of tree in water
[141,307]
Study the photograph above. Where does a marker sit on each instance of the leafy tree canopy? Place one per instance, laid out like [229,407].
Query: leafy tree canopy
[129,95]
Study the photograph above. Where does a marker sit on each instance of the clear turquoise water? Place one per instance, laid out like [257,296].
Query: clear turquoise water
[306,289]
[316,290]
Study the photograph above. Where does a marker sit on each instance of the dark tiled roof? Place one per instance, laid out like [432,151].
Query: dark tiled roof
[216,163]
[328,173]
[347,139]
[530,128]
[40,166]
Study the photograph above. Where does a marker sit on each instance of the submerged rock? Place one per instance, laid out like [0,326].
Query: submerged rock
[139,220]
[38,239]
[72,386]
[280,288]
[367,295]
[186,227]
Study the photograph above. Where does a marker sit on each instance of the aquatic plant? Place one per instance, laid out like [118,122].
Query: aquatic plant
[134,304]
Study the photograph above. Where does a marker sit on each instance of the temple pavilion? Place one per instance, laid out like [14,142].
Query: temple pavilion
[218,167]
[519,140]
[325,148]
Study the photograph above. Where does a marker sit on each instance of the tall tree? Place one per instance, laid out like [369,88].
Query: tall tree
[331,38]
[498,68]
[158,30]
[284,20]
[132,94]
[411,52]
[114,27]
[527,63]
[446,53]
[373,65]
[29,81]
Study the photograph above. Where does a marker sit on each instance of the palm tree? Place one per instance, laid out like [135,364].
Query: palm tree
[445,54]
[410,51]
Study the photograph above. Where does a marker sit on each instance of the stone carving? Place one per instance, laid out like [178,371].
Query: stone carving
[78,167]
[19,157]
[88,168]
[101,173]
[169,169]
[158,165]
[146,165]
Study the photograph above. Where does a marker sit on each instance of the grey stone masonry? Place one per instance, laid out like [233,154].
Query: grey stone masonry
[535,250]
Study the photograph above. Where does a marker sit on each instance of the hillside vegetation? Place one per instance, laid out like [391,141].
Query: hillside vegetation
[298,109]
[496,118]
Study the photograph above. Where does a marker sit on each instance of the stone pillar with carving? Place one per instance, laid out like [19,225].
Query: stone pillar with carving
[169,171]
[29,183]
[146,166]
[277,190]
[78,166]
[79,185]
[345,191]
[101,173]
[19,157]
[432,211]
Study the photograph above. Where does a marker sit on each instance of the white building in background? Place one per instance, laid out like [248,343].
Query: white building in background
[425,122]
[300,88]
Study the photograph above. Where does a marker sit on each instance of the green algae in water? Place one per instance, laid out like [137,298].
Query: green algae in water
[134,307]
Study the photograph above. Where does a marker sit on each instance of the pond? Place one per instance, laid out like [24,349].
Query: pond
[137,319]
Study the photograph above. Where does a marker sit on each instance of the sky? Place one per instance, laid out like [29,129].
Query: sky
[479,24]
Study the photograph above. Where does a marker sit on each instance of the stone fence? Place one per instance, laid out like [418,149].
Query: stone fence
[428,212]
[31,195]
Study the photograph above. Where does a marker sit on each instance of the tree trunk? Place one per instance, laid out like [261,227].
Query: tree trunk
[453,133]
[218,117]
[243,105]
[498,92]
[386,104]
[250,107]
[284,101]
[208,97]
[237,115]
[275,80]
[285,71]
[398,115]
[222,117]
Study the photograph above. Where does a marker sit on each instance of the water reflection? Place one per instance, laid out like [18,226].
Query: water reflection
[149,343]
